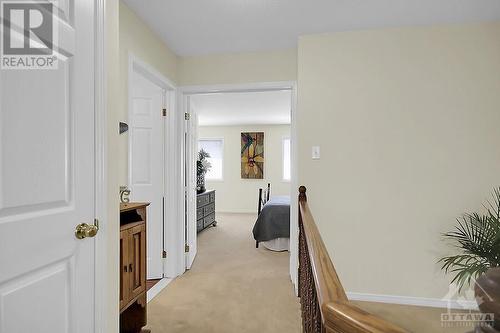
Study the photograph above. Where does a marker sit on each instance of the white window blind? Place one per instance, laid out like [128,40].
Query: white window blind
[215,147]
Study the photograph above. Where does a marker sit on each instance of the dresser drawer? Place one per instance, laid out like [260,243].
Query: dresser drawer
[202,200]
[209,220]
[199,224]
[199,213]
[208,209]
[212,197]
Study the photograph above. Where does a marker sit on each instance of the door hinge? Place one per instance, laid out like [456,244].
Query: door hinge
[164,112]
[187,116]
[186,248]
[164,254]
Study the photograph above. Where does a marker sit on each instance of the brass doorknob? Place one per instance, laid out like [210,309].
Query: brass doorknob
[84,230]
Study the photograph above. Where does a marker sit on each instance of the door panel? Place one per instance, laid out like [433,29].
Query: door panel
[124,262]
[141,161]
[137,266]
[146,163]
[39,286]
[47,185]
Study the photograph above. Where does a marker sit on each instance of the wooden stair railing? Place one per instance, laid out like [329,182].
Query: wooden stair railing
[324,304]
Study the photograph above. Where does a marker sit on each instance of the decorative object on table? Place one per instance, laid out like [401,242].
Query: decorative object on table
[252,155]
[124,194]
[202,167]
[123,127]
[478,235]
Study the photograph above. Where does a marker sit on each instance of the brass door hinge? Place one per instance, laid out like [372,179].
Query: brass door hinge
[164,254]
[187,116]
[164,112]
[186,248]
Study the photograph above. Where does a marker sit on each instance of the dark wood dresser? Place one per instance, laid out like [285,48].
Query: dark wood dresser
[205,210]
[133,300]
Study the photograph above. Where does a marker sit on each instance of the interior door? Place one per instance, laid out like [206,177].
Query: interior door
[47,184]
[191,149]
[146,163]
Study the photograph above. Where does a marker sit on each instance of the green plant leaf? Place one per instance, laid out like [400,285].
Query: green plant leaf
[478,238]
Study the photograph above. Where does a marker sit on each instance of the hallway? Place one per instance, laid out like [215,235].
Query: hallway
[232,286]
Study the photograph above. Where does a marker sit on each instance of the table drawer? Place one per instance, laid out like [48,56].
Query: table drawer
[199,224]
[212,197]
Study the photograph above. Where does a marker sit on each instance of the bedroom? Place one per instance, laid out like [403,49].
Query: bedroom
[247,135]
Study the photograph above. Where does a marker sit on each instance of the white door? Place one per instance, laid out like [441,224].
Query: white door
[146,163]
[191,149]
[47,185]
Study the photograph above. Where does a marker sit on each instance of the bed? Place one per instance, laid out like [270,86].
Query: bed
[272,228]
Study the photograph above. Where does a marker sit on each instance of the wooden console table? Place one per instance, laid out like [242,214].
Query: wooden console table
[133,300]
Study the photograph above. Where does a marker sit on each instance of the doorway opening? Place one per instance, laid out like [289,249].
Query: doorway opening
[194,103]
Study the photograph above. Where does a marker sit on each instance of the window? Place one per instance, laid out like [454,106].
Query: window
[215,147]
[286,159]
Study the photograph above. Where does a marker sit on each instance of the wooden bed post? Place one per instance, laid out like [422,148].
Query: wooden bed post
[302,193]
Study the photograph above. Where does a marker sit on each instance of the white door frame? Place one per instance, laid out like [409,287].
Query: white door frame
[171,170]
[186,91]
[101,319]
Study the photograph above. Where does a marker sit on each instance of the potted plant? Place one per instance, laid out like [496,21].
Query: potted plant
[478,238]
[202,167]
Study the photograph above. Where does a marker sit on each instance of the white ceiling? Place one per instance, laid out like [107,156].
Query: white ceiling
[196,27]
[248,108]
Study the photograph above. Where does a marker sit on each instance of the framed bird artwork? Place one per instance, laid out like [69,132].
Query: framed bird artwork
[252,155]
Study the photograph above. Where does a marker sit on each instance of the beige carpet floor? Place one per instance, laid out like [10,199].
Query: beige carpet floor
[232,287]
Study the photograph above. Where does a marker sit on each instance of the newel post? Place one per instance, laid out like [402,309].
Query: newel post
[302,193]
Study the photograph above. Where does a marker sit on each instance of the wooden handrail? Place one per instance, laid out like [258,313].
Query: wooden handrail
[325,306]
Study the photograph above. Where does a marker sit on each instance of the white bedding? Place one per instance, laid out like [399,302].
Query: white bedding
[277,244]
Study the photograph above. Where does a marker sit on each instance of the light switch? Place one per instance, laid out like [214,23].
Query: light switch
[315,153]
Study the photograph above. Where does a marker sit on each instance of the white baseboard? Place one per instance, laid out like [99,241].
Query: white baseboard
[417,301]
[155,290]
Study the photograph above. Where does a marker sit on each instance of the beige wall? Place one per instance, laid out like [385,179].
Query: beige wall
[407,121]
[238,68]
[138,39]
[238,195]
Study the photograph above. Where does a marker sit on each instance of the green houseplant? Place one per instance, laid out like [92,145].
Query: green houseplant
[478,238]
